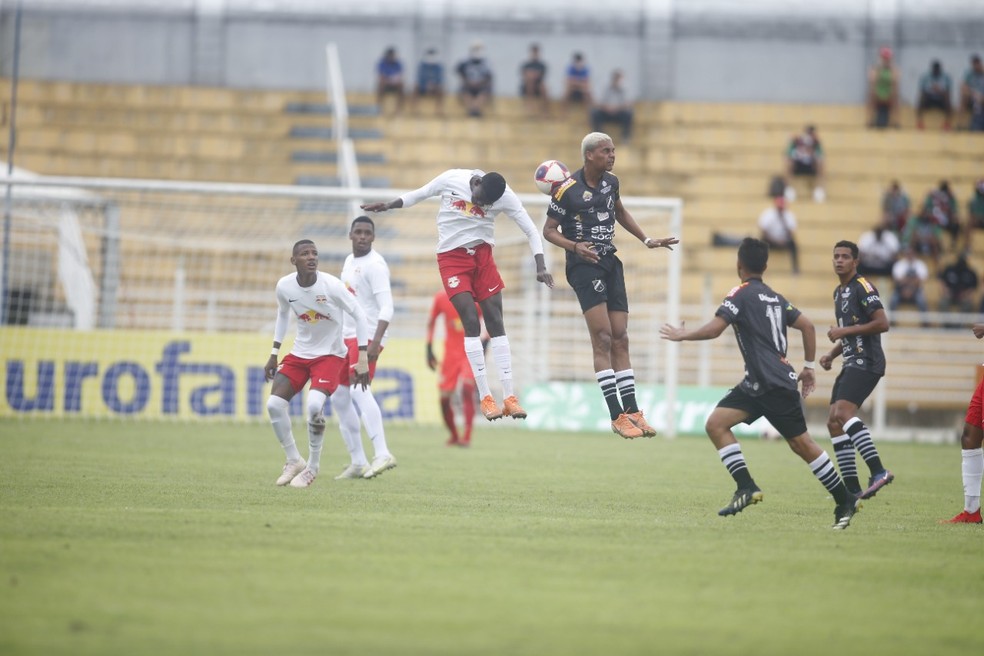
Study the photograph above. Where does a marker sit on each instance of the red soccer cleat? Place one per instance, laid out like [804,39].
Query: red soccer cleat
[965,518]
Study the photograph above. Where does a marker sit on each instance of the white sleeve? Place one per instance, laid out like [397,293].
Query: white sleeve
[382,292]
[432,188]
[283,317]
[512,206]
[354,310]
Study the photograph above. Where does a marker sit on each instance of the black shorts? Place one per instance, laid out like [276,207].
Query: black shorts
[927,101]
[603,282]
[854,385]
[782,407]
[802,168]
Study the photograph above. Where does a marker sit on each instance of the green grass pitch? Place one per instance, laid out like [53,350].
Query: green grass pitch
[147,538]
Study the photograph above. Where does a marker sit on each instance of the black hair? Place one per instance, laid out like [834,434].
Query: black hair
[363,219]
[843,243]
[753,254]
[300,243]
[493,186]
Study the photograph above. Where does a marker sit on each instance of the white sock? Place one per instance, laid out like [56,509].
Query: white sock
[476,358]
[973,471]
[503,360]
[280,419]
[372,418]
[316,427]
[348,424]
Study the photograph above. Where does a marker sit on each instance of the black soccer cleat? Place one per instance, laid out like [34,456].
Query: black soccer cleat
[743,498]
[844,512]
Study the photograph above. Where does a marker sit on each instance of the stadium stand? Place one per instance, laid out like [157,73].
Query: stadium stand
[717,157]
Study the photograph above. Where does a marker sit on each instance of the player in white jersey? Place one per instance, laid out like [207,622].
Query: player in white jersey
[318,301]
[470,201]
[366,275]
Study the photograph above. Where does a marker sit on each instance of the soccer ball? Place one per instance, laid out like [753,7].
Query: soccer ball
[550,174]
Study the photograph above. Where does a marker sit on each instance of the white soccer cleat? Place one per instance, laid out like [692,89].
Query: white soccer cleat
[291,469]
[380,464]
[353,471]
[304,479]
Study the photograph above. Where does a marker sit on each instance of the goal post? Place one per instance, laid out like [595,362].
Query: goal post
[178,281]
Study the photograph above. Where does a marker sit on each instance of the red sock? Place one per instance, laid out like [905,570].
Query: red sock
[448,412]
[468,407]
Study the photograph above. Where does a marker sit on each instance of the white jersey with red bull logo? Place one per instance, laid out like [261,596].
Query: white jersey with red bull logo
[368,279]
[460,223]
[319,310]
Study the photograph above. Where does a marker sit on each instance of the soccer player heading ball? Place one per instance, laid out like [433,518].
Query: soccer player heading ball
[470,201]
[581,219]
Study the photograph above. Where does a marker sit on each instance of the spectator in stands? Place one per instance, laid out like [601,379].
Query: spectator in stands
[972,94]
[909,275]
[804,157]
[935,89]
[577,90]
[883,92]
[879,248]
[895,207]
[476,81]
[430,80]
[958,287]
[941,206]
[924,236]
[778,226]
[613,108]
[532,87]
[779,186]
[975,211]
[389,78]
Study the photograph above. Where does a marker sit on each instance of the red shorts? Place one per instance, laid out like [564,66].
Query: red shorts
[325,373]
[974,410]
[353,358]
[470,270]
[453,369]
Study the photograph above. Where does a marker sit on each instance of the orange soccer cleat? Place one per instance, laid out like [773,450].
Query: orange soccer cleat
[623,426]
[641,423]
[511,408]
[490,409]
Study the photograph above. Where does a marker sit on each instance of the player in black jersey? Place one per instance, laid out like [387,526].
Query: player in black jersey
[759,317]
[861,320]
[581,219]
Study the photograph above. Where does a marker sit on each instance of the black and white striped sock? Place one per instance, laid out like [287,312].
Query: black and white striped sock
[734,461]
[846,462]
[861,437]
[606,381]
[825,472]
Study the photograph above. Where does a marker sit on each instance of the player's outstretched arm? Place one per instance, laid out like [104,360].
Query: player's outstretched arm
[709,330]
[627,221]
[383,206]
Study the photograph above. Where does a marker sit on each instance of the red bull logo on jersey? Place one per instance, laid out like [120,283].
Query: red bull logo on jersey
[468,208]
[313,317]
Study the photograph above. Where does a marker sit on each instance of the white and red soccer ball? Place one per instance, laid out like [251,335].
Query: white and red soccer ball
[550,174]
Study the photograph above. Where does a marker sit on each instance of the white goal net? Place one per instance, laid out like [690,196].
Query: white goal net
[153,299]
